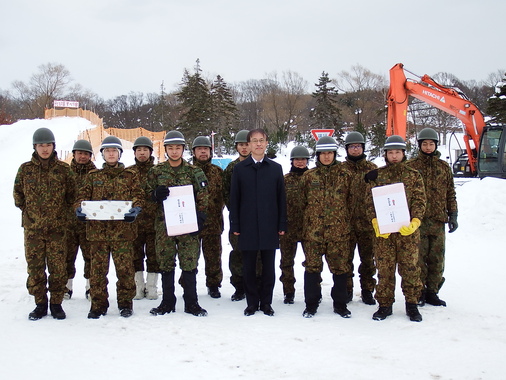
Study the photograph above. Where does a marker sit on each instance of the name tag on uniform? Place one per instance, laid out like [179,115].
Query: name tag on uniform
[391,207]
[180,211]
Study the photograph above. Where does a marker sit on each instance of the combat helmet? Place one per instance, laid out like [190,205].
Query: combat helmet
[428,134]
[241,136]
[174,137]
[201,141]
[394,142]
[143,141]
[83,145]
[326,144]
[354,138]
[111,142]
[43,136]
[299,151]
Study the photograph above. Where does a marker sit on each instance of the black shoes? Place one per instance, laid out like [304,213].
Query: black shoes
[433,299]
[164,308]
[289,299]
[309,311]
[96,314]
[39,312]
[57,311]
[413,313]
[367,297]
[250,310]
[126,312]
[238,296]
[195,310]
[342,310]
[382,313]
[267,309]
[214,292]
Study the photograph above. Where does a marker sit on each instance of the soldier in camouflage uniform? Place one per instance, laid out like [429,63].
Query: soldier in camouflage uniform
[44,190]
[299,157]
[326,227]
[81,165]
[397,249]
[210,236]
[441,208]
[177,172]
[144,243]
[361,229]
[235,258]
[111,237]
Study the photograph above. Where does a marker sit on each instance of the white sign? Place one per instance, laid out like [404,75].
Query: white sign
[391,207]
[180,211]
[65,104]
[106,210]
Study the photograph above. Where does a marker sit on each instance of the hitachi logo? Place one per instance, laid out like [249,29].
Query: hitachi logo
[432,95]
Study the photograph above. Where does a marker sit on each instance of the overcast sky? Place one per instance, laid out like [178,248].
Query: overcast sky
[113,47]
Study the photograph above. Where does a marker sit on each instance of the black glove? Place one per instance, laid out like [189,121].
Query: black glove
[452,222]
[201,219]
[160,193]
[81,216]
[371,176]
[131,215]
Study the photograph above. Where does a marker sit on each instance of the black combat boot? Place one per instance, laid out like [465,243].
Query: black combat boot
[340,295]
[96,313]
[421,300]
[57,311]
[413,313]
[432,299]
[289,299]
[367,297]
[191,305]
[382,313]
[312,294]
[214,292]
[39,312]
[168,304]
[238,295]
[126,312]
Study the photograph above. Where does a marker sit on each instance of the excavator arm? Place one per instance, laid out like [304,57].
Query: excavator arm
[441,97]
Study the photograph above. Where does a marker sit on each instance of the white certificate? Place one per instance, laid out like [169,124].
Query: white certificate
[391,207]
[180,211]
[106,210]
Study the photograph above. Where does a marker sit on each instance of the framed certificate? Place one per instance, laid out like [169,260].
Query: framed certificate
[391,206]
[180,211]
[106,210]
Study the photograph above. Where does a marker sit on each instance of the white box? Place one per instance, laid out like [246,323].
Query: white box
[391,207]
[180,211]
[106,210]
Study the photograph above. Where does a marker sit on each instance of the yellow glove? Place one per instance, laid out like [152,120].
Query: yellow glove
[413,226]
[377,230]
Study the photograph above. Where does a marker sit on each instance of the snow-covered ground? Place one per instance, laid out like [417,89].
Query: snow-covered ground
[466,340]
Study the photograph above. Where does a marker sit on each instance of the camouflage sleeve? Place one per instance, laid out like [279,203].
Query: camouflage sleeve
[201,191]
[417,199]
[227,182]
[84,193]
[19,196]
[451,195]
[71,193]
[138,195]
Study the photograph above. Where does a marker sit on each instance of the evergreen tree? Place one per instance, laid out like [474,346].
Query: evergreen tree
[497,103]
[225,118]
[326,114]
[196,105]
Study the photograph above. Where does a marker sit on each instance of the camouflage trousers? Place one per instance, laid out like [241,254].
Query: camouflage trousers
[122,256]
[211,250]
[362,239]
[235,263]
[144,247]
[76,238]
[432,254]
[48,248]
[288,248]
[336,254]
[185,247]
[401,252]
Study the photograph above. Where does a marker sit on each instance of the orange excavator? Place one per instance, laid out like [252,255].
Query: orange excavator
[485,144]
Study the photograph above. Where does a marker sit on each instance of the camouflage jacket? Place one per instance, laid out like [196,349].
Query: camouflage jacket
[413,186]
[214,221]
[326,196]
[186,174]
[146,219]
[294,204]
[358,188]
[439,187]
[110,183]
[81,170]
[227,181]
[45,195]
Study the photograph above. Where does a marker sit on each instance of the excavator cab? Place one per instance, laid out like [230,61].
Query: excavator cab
[492,152]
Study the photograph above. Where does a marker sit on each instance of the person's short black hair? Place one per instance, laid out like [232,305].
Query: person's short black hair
[258,130]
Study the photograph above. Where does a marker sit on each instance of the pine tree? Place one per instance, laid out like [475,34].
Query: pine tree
[225,115]
[326,114]
[497,103]
[196,103]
